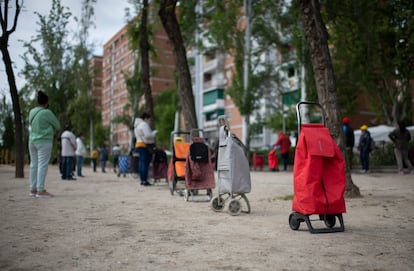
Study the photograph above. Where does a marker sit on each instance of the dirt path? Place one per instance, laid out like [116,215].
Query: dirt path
[102,222]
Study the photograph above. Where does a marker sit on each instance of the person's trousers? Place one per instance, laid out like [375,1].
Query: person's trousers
[144,161]
[402,156]
[103,165]
[94,165]
[116,161]
[39,161]
[67,166]
[285,158]
[364,156]
[79,163]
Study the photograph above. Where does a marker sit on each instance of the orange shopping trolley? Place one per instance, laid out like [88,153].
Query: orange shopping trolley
[180,145]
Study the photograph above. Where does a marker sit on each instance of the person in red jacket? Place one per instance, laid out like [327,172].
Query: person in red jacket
[283,144]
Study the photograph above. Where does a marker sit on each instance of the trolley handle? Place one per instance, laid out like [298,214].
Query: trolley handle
[299,116]
[222,121]
[197,133]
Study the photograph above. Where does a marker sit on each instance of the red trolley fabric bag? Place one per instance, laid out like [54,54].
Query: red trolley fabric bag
[319,173]
[319,177]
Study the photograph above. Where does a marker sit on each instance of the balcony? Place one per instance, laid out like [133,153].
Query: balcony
[210,65]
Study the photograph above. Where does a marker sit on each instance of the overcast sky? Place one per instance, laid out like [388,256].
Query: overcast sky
[109,19]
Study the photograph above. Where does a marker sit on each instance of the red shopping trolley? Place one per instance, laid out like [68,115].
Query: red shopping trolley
[318,176]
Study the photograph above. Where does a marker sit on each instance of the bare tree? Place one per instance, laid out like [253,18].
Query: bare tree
[185,90]
[4,40]
[316,36]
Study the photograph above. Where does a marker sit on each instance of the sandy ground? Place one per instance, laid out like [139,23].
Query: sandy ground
[102,222]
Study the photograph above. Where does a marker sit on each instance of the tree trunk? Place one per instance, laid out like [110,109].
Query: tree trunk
[18,126]
[145,66]
[185,91]
[18,131]
[317,39]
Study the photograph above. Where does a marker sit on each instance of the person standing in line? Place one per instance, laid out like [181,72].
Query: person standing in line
[103,157]
[145,136]
[401,138]
[349,140]
[68,152]
[116,152]
[283,143]
[80,153]
[43,126]
[364,148]
[94,158]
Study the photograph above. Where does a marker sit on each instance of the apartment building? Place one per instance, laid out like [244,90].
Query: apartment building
[95,65]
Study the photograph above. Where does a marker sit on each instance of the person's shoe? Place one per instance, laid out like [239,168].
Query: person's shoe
[33,193]
[401,172]
[43,194]
[71,179]
[147,184]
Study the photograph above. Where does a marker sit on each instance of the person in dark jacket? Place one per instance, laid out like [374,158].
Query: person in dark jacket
[103,157]
[349,140]
[401,137]
[283,144]
[364,148]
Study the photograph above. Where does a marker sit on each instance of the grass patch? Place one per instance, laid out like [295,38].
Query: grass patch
[287,197]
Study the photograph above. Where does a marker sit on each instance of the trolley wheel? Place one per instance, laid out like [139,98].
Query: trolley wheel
[217,204]
[186,194]
[330,221]
[294,222]
[209,194]
[234,207]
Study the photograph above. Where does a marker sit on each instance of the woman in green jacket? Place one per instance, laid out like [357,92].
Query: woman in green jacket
[43,126]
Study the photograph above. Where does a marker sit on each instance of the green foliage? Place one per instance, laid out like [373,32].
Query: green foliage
[47,69]
[6,125]
[373,45]
[164,112]
[275,121]
[101,134]
[189,21]
[383,155]
[60,67]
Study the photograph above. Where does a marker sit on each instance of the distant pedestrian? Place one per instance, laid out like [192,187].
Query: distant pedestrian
[43,125]
[94,158]
[68,140]
[103,157]
[116,152]
[283,144]
[80,154]
[349,140]
[364,148]
[401,138]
